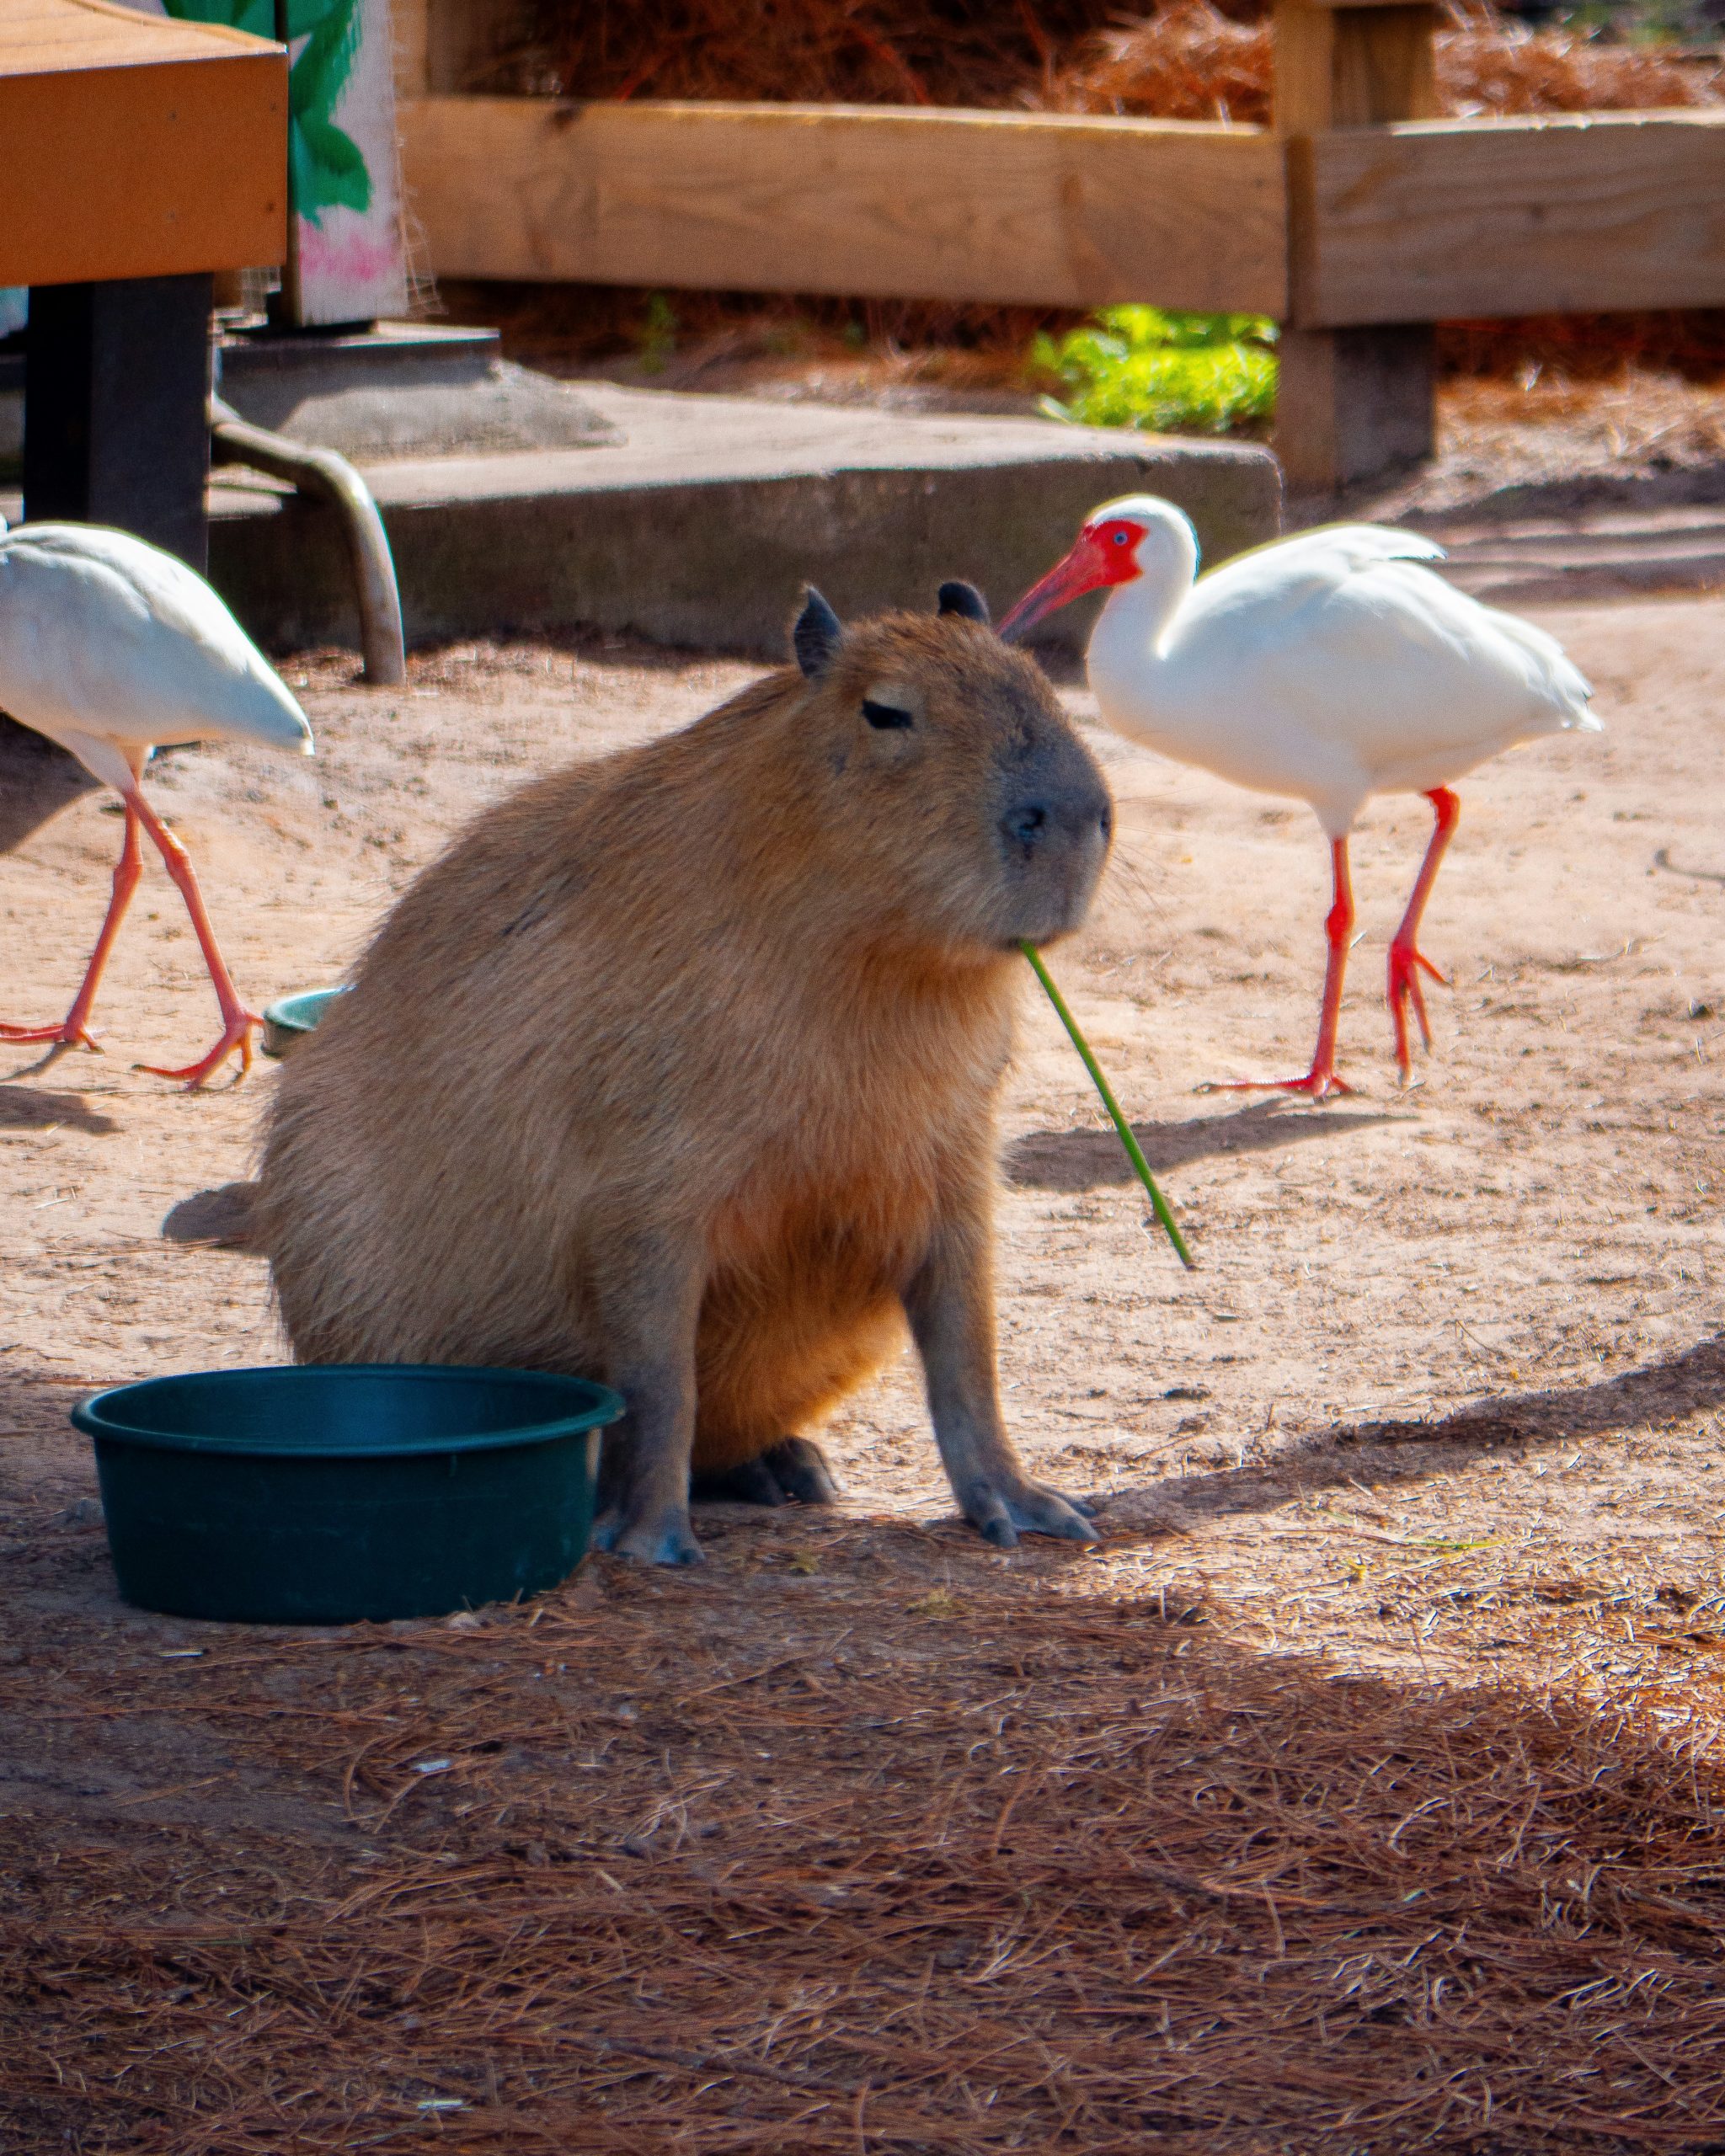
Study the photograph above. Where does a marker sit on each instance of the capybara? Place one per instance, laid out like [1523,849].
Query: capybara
[679,1070]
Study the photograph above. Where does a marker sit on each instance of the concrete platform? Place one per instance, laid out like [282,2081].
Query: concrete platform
[400,389]
[701,526]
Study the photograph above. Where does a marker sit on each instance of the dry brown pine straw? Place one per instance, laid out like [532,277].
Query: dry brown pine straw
[1186,60]
[764,1862]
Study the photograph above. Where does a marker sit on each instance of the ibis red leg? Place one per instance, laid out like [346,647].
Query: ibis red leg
[1321,1081]
[73,1031]
[1407,962]
[237,1022]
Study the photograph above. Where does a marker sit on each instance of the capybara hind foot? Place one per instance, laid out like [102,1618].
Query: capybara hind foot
[750,1482]
[800,1468]
[794,1471]
[1000,1512]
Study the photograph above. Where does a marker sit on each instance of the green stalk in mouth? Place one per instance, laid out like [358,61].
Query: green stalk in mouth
[1135,1152]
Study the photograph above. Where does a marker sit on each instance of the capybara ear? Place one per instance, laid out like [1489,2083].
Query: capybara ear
[817,635]
[960,598]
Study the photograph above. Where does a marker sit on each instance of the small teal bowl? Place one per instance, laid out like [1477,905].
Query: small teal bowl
[328,1493]
[290,1018]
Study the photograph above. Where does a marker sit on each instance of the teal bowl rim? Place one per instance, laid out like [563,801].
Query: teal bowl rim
[92,1415]
[284,1010]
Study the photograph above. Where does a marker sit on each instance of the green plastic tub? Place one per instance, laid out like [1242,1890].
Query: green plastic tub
[290,1018]
[321,1494]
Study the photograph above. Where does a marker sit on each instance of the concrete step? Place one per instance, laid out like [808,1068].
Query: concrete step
[700,526]
[1606,554]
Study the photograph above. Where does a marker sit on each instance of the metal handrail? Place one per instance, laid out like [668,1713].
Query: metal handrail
[325,476]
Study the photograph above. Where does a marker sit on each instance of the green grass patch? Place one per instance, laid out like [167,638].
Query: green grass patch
[1165,372]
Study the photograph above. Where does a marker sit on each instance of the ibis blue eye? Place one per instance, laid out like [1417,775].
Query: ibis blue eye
[1120,538]
[885,715]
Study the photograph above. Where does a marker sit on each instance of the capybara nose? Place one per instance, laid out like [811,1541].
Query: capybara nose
[1081,817]
[1028,824]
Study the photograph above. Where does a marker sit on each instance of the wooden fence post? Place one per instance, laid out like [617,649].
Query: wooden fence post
[442,46]
[1351,404]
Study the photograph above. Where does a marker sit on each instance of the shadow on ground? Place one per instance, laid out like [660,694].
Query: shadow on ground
[221,1216]
[1687,1382]
[37,779]
[1663,859]
[1084,1159]
[30,1108]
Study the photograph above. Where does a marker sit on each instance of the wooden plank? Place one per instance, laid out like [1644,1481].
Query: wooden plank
[450,47]
[1351,404]
[1440,219]
[43,36]
[142,171]
[413,57]
[1045,211]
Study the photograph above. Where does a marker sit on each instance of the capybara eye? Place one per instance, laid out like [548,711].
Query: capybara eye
[885,715]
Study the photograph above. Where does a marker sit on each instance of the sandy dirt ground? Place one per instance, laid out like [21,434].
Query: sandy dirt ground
[1441,1405]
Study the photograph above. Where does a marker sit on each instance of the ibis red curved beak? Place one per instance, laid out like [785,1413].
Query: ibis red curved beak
[1089,565]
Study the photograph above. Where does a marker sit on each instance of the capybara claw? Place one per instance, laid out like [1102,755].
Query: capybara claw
[793,1472]
[802,1471]
[655,1542]
[1074,1527]
[1034,1509]
[748,1483]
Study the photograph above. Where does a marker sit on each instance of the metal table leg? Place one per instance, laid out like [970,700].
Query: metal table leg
[116,390]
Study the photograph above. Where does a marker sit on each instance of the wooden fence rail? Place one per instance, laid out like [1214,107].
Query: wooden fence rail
[1357,221]
[1428,221]
[955,206]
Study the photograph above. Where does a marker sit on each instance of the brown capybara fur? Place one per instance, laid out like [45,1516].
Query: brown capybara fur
[678,1071]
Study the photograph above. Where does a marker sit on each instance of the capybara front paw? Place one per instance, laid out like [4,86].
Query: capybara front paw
[1001,1514]
[665,1540]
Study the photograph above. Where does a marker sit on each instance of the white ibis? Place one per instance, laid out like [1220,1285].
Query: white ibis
[1330,667]
[112,648]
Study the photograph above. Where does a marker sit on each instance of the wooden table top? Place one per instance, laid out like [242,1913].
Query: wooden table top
[136,147]
[48,36]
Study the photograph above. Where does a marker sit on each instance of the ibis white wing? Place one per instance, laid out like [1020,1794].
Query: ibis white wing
[102,634]
[1335,665]
[1286,575]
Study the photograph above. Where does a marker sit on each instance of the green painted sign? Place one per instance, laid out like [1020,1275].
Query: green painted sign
[326,167]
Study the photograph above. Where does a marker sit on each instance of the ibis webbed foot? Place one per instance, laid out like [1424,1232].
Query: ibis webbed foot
[1321,1081]
[1317,1085]
[1407,962]
[1406,992]
[57,1038]
[236,1038]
